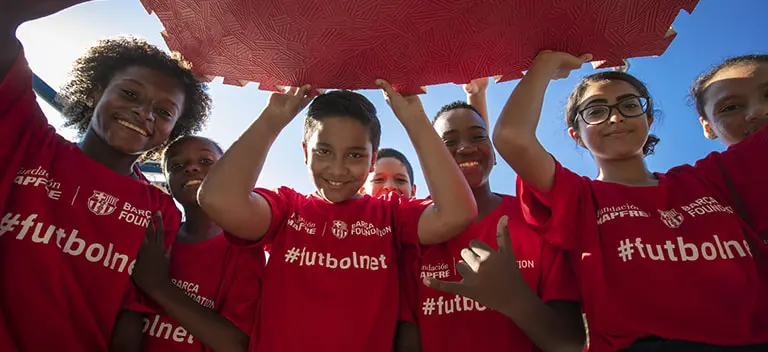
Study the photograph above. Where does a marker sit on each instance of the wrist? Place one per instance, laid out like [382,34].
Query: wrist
[272,122]
[161,291]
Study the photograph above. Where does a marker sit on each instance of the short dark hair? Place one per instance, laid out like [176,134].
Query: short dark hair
[343,103]
[699,86]
[572,107]
[458,104]
[178,143]
[393,153]
[95,70]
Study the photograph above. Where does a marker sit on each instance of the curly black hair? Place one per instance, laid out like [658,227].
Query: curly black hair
[699,86]
[571,108]
[98,66]
[453,106]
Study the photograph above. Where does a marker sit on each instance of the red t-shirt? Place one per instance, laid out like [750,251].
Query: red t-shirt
[219,276]
[70,231]
[332,281]
[672,261]
[454,323]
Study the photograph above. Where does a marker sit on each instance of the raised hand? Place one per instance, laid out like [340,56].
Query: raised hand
[283,107]
[560,64]
[151,271]
[478,85]
[406,108]
[489,277]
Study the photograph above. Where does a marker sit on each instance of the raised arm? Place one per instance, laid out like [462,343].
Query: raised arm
[515,132]
[226,193]
[453,207]
[13,14]
[477,98]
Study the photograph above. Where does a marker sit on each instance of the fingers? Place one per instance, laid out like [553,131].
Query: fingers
[159,233]
[469,276]
[471,258]
[389,92]
[480,248]
[503,238]
[445,286]
[149,232]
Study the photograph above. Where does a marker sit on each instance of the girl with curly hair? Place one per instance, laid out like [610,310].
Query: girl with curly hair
[74,215]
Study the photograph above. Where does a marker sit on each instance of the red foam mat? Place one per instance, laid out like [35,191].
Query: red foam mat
[412,43]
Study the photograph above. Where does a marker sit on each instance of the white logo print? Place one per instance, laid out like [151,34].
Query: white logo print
[339,229]
[671,218]
[101,203]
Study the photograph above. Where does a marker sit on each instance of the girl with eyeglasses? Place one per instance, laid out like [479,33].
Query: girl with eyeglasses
[662,260]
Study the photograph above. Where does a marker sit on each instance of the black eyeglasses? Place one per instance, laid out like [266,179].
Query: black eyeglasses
[633,106]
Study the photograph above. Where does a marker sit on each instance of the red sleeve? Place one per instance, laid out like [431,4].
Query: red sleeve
[558,282]
[240,304]
[133,298]
[409,269]
[740,173]
[280,201]
[407,215]
[555,214]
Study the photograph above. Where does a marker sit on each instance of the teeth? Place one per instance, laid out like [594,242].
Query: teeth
[192,182]
[467,164]
[334,183]
[133,127]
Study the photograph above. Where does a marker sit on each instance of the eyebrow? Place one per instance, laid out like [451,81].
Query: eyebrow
[128,79]
[604,101]
[474,127]
[328,145]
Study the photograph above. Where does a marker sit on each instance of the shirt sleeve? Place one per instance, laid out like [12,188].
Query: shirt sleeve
[558,282]
[407,215]
[740,173]
[280,200]
[555,215]
[240,304]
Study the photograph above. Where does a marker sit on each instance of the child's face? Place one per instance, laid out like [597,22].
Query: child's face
[339,157]
[465,135]
[736,102]
[619,137]
[389,175]
[137,110]
[187,166]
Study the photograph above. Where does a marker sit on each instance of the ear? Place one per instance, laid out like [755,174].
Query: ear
[707,127]
[374,156]
[650,121]
[575,136]
[413,191]
[306,157]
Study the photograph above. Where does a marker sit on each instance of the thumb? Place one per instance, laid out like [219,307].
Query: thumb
[445,286]
[503,238]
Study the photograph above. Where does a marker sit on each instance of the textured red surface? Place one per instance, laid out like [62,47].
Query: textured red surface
[411,43]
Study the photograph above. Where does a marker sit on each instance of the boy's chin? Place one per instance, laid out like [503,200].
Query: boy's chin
[338,196]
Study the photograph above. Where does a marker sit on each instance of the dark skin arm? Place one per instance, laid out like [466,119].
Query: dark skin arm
[151,276]
[407,337]
[13,14]
[127,333]
[493,279]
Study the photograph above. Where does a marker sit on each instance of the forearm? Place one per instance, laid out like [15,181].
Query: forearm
[550,329]
[479,101]
[210,328]
[453,200]
[520,115]
[127,334]
[236,173]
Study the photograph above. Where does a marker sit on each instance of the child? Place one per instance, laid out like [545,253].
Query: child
[331,284]
[213,288]
[74,215]
[732,105]
[453,323]
[392,172]
[667,265]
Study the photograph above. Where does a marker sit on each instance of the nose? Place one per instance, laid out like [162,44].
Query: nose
[142,111]
[615,116]
[466,147]
[191,168]
[338,167]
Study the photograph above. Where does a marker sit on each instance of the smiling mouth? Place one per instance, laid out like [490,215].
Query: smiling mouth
[468,164]
[191,183]
[335,184]
[133,127]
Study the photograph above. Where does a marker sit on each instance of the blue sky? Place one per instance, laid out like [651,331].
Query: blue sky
[717,29]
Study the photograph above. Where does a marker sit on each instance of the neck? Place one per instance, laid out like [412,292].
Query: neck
[630,172]
[486,200]
[98,149]
[198,227]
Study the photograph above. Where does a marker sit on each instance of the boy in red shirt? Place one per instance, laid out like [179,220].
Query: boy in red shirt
[209,294]
[332,281]
[74,215]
